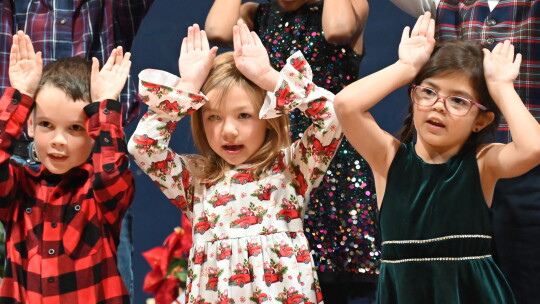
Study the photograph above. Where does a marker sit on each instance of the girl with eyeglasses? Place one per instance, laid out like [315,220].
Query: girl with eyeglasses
[435,185]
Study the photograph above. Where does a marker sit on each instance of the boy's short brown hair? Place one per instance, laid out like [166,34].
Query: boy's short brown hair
[71,75]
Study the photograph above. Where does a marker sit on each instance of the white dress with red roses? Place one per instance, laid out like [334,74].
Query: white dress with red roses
[248,241]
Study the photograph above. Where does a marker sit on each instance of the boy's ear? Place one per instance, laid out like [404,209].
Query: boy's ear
[483,120]
[30,124]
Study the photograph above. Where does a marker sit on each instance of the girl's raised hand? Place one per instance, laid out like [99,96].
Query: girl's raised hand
[196,58]
[251,57]
[499,64]
[109,82]
[416,48]
[25,66]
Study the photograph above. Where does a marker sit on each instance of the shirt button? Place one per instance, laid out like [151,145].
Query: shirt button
[28,210]
[51,251]
[106,140]
[77,207]
[491,22]
[490,41]
[53,224]
[63,21]
[14,101]
[50,280]
[106,111]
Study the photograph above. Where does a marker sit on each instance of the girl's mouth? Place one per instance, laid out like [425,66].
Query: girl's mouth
[233,148]
[436,123]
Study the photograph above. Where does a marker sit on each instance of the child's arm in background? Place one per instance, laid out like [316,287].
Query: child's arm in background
[293,88]
[223,15]
[113,181]
[354,102]
[169,99]
[523,153]
[25,68]
[344,22]
[416,8]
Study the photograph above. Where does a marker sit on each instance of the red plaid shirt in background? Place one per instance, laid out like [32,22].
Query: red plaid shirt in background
[62,230]
[66,28]
[515,20]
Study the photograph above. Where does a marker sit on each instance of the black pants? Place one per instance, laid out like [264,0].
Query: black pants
[516,233]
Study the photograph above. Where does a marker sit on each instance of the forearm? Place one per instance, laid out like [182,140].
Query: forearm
[365,93]
[14,110]
[344,20]
[221,18]
[112,178]
[416,8]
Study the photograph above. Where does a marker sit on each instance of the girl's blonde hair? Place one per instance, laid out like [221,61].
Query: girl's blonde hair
[222,77]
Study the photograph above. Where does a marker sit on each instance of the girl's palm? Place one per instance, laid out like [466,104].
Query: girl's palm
[416,48]
[499,64]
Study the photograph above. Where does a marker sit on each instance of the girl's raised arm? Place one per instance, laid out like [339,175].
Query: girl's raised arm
[344,21]
[523,153]
[223,15]
[353,103]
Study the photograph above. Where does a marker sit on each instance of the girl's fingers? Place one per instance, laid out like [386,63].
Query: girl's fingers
[190,39]
[431,29]
[237,43]
[204,41]
[416,26]
[14,53]
[517,61]
[197,37]
[505,48]
[183,46]
[256,38]
[405,33]
[29,47]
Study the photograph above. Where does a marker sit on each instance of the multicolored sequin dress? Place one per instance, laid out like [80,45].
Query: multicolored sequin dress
[248,240]
[340,221]
[436,232]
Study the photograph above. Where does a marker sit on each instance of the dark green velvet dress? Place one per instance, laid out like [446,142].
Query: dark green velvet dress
[436,233]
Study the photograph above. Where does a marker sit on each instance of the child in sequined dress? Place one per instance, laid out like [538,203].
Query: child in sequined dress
[245,194]
[340,221]
[435,191]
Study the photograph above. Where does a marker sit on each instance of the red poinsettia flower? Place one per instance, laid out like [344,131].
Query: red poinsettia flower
[169,264]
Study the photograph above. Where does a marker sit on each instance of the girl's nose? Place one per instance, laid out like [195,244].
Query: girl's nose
[230,130]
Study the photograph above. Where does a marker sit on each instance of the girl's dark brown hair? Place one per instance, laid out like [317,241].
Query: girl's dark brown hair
[460,57]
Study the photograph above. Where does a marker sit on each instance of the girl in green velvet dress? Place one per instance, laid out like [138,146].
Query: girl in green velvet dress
[434,193]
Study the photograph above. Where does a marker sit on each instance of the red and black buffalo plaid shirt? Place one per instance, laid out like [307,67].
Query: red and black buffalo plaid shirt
[62,230]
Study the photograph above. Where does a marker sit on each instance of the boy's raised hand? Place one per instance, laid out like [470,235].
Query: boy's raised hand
[25,66]
[109,82]
[251,57]
[196,58]
[499,64]
[416,48]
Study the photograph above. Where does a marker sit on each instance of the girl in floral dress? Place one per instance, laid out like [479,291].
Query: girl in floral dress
[246,193]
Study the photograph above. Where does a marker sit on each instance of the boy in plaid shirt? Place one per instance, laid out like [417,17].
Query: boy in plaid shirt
[63,220]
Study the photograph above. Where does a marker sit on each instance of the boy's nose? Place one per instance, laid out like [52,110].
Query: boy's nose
[59,139]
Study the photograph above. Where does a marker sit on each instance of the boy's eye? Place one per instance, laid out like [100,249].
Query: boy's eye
[44,124]
[77,128]
[244,115]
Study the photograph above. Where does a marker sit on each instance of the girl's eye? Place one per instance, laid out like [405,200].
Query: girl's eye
[77,128]
[429,92]
[213,117]
[244,116]
[458,100]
